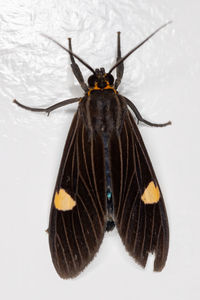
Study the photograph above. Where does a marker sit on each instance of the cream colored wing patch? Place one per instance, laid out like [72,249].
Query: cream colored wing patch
[63,201]
[151,194]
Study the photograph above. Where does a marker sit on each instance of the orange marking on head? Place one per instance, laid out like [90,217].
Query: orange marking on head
[107,87]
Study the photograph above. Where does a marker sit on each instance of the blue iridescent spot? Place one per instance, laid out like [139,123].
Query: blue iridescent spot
[109,194]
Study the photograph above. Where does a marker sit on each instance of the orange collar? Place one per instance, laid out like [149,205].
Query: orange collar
[108,87]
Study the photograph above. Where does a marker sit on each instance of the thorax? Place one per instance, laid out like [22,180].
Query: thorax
[103,110]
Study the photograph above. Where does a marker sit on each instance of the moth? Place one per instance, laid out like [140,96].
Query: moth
[106,178]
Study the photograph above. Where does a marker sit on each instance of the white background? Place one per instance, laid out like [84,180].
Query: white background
[162,78]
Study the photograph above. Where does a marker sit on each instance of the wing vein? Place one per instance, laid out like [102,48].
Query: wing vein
[75,236]
[140,171]
[70,145]
[130,215]
[158,237]
[152,228]
[142,147]
[121,174]
[86,242]
[131,179]
[127,158]
[125,200]
[144,232]
[84,157]
[94,175]
[63,251]
[94,205]
[67,240]
[72,172]
[93,229]
[137,228]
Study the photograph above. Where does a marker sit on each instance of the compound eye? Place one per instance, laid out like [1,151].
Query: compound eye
[110,78]
[91,80]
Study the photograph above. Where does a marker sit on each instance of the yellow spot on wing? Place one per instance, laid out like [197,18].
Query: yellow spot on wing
[151,194]
[63,201]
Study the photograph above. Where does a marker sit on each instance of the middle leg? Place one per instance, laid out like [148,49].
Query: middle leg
[49,109]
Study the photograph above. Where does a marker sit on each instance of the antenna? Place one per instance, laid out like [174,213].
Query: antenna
[70,52]
[138,46]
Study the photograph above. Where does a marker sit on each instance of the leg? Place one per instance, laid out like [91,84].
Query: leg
[120,68]
[49,109]
[140,118]
[76,70]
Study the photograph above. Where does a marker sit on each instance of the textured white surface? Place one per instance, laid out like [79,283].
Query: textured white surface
[162,78]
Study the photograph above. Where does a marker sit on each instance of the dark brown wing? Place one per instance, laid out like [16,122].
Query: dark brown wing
[77,219]
[139,208]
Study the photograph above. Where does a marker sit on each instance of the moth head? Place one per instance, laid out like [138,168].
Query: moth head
[100,79]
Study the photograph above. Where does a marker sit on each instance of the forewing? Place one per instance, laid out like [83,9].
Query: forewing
[139,209]
[77,219]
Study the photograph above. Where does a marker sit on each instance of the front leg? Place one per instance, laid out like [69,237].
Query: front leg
[76,70]
[120,67]
[49,109]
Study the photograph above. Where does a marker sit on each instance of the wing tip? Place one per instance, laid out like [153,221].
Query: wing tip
[160,257]
[158,266]
[66,269]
